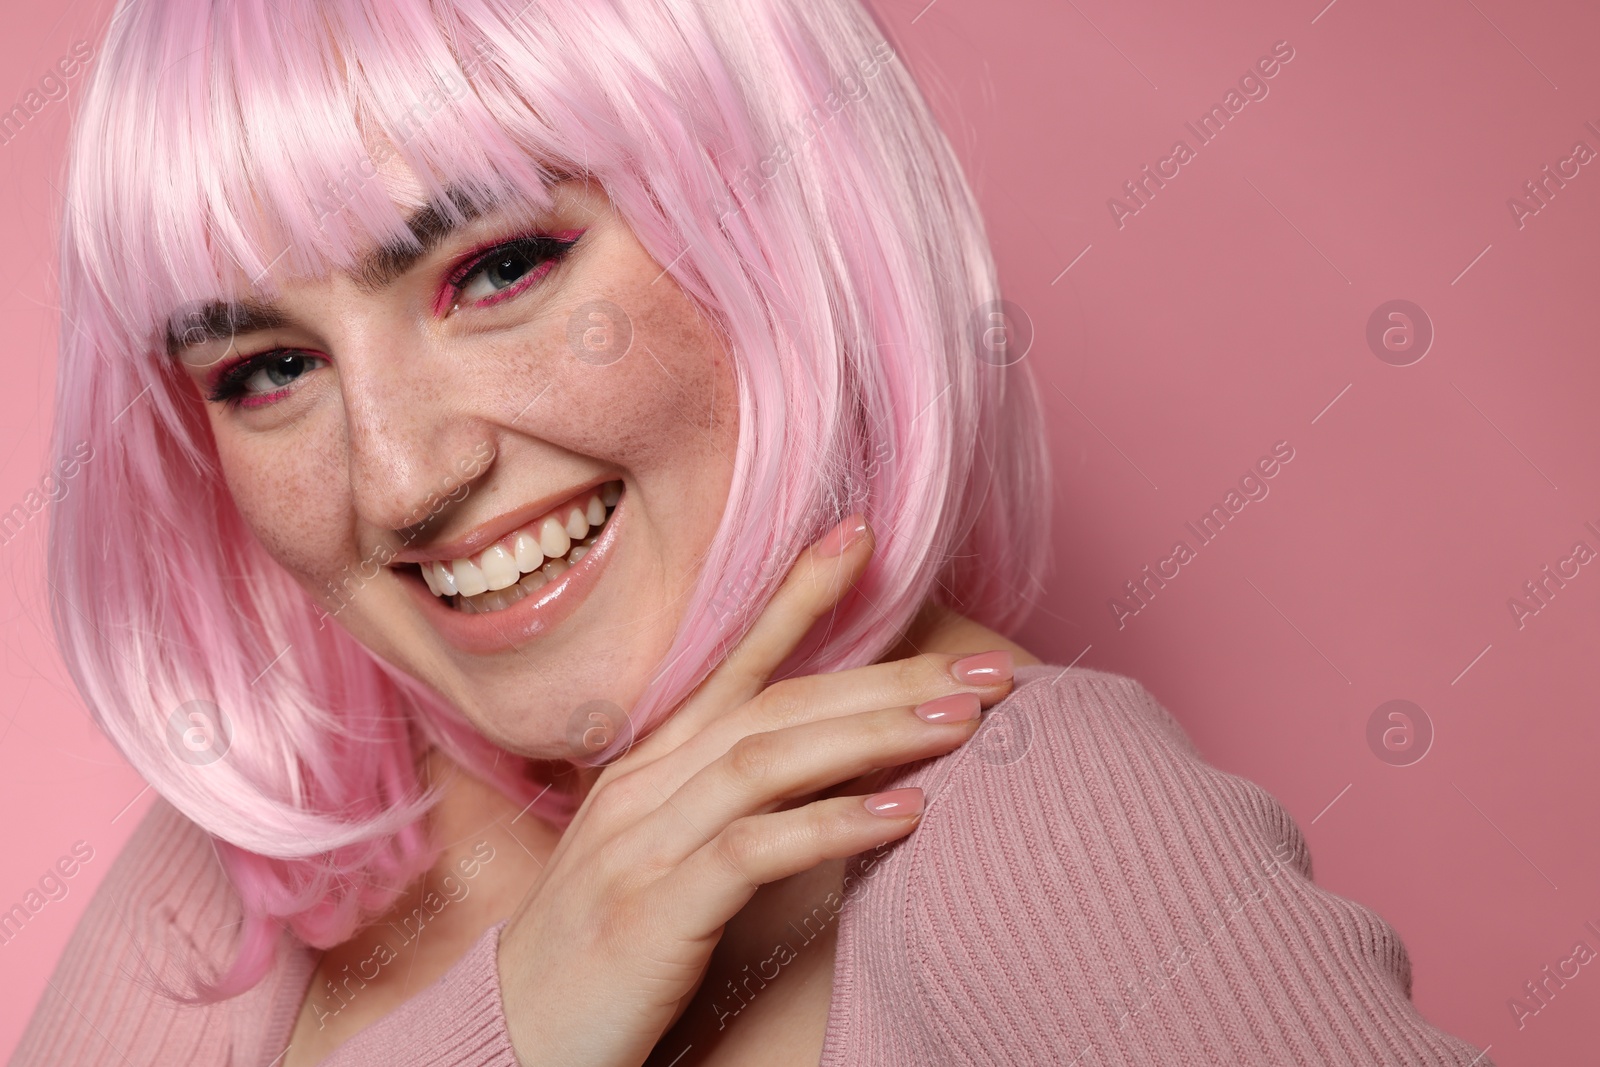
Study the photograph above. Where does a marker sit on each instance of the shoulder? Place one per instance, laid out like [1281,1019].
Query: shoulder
[1084,889]
[164,915]
[168,885]
[1098,750]
[1054,704]
[165,879]
[1083,775]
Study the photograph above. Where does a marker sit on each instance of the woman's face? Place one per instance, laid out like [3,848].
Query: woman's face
[450,413]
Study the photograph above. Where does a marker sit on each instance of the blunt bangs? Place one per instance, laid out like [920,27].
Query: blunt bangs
[219,165]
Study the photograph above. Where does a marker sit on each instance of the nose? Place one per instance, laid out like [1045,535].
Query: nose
[414,444]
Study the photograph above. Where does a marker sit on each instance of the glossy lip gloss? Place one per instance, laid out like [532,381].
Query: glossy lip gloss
[532,616]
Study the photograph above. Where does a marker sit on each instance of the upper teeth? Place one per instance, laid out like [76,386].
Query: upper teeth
[523,551]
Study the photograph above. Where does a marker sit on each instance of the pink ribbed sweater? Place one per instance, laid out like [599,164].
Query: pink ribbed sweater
[1083,890]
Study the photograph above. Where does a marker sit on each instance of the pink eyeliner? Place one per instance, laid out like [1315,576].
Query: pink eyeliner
[470,261]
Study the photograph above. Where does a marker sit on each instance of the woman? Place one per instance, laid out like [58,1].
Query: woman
[469,372]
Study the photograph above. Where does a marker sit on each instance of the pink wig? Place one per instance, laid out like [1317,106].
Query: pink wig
[775,154]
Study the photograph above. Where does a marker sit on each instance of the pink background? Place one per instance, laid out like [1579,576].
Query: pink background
[1228,314]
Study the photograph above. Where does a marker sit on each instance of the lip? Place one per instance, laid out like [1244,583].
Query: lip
[481,537]
[530,617]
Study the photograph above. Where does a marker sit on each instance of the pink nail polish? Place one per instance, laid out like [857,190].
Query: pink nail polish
[957,707]
[842,536]
[896,802]
[986,668]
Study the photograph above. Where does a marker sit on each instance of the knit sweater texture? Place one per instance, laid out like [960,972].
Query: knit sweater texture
[1083,891]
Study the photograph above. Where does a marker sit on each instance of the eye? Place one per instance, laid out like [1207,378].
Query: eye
[508,269]
[504,271]
[262,379]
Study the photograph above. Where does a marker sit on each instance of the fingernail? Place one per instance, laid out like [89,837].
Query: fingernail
[986,668]
[957,707]
[842,536]
[906,801]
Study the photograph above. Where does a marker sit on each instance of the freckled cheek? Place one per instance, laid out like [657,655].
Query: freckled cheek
[293,494]
[665,409]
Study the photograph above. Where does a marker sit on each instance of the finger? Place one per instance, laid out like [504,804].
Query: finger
[813,698]
[820,577]
[816,582]
[710,886]
[763,771]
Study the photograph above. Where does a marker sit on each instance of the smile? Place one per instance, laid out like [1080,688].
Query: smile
[525,560]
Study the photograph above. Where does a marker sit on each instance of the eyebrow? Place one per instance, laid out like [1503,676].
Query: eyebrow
[219,320]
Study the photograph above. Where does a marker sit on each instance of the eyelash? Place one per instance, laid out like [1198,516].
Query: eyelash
[543,251]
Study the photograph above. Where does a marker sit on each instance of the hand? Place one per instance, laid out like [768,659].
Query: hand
[674,838]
